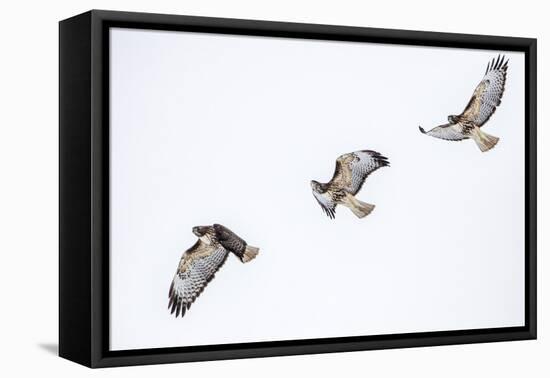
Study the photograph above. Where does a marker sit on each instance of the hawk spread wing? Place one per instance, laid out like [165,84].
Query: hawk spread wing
[229,240]
[447,132]
[352,169]
[328,206]
[196,269]
[488,93]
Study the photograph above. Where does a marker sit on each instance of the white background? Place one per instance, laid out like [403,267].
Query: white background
[28,151]
[230,129]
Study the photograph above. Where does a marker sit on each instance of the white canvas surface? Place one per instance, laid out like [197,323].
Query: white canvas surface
[229,129]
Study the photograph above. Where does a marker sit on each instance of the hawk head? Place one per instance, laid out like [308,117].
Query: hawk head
[201,230]
[453,119]
[317,186]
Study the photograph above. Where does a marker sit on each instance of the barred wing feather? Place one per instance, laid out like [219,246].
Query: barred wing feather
[446,132]
[352,169]
[488,94]
[328,206]
[197,268]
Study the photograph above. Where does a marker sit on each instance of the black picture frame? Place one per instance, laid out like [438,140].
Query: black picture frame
[84,183]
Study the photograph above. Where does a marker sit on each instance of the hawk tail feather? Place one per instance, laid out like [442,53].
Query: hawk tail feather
[250,253]
[484,141]
[359,208]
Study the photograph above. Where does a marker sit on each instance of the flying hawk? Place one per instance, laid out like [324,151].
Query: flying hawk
[482,105]
[199,264]
[351,171]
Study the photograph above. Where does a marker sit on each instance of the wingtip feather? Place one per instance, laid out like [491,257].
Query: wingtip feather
[331,213]
[501,63]
[378,157]
[174,303]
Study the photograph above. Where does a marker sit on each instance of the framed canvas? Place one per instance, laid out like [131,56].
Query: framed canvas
[235,188]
